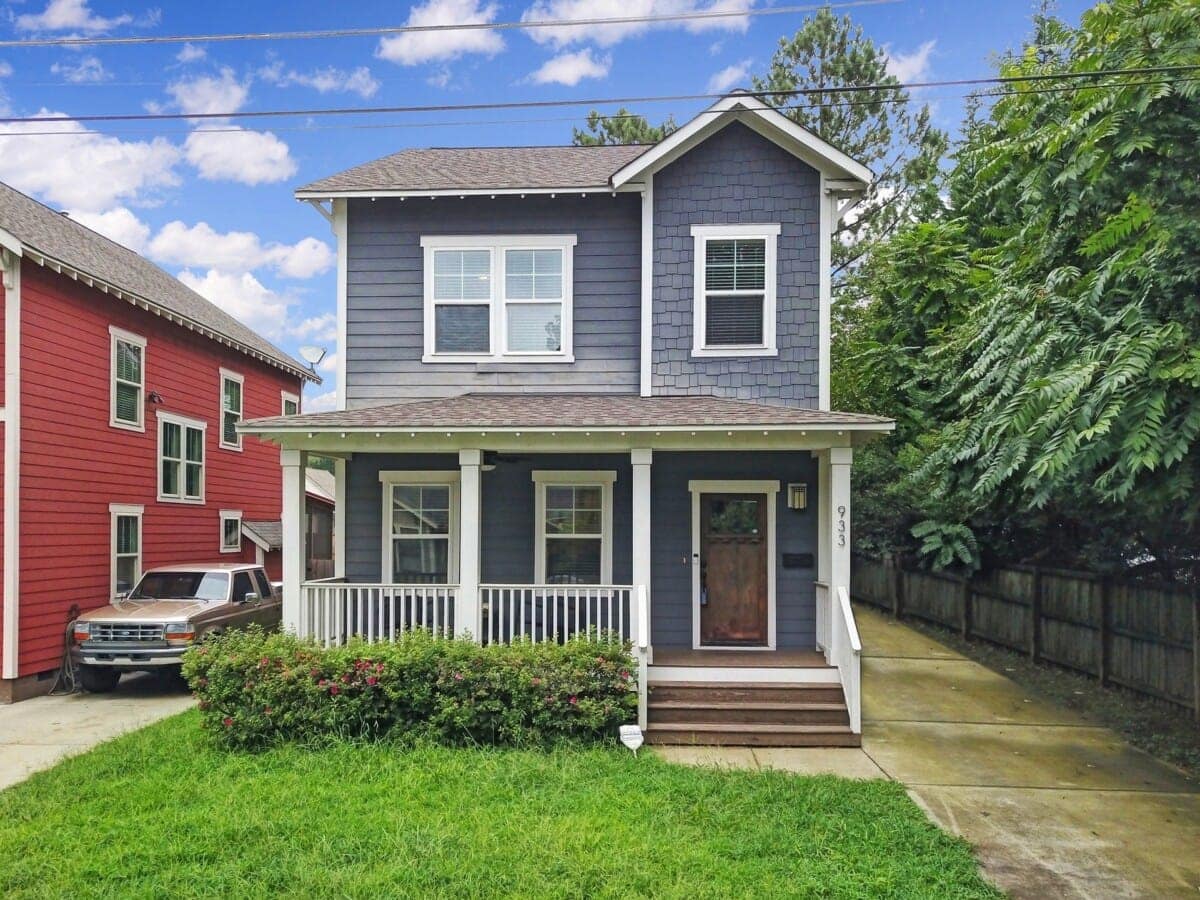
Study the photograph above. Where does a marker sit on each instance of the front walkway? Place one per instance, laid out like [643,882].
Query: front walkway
[35,734]
[1055,805]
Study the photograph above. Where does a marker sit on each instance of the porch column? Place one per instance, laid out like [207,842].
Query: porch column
[295,536]
[840,459]
[466,605]
[824,543]
[340,507]
[641,460]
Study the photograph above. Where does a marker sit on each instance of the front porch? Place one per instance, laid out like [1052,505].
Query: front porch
[709,550]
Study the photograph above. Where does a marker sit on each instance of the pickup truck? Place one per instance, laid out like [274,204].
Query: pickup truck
[169,609]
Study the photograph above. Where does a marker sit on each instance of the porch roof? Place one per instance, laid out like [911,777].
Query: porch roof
[531,411]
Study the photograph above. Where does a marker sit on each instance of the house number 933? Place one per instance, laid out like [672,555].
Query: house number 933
[841,526]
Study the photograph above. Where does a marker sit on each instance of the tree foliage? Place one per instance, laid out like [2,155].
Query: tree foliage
[623,127]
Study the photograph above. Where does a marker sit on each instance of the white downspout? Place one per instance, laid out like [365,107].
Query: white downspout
[11,263]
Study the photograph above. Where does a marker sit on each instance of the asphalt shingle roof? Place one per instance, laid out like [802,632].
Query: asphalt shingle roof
[482,168]
[544,410]
[58,237]
[269,533]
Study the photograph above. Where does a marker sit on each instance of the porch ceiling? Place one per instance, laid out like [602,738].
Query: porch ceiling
[569,422]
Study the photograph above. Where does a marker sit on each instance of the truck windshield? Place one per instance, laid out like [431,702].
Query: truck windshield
[182,586]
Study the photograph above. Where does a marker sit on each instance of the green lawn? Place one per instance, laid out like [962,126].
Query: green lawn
[160,813]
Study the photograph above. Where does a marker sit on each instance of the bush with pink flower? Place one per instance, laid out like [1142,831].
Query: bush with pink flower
[257,689]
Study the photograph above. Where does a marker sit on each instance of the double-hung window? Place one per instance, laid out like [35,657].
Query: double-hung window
[504,298]
[128,356]
[126,536]
[231,409]
[231,531]
[180,459]
[420,534]
[734,283]
[574,527]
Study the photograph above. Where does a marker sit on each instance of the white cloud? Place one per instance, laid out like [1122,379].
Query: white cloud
[607,35]
[207,94]
[326,402]
[88,70]
[117,224]
[70,15]
[414,48]
[910,66]
[201,246]
[316,328]
[328,80]
[244,297]
[571,68]
[81,169]
[729,77]
[6,70]
[191,53]
[247,157]
[329,364]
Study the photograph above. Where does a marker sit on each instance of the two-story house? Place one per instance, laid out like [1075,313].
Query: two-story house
[588,387]
[121,396]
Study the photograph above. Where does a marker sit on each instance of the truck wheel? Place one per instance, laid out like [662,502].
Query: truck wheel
[98,679]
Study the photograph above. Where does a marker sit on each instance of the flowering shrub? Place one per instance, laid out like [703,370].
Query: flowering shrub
[257,689]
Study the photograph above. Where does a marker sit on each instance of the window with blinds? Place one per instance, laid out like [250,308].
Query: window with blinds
[735,291]
[462,298]
[128,380]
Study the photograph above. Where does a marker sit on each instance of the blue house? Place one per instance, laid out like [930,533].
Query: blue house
[588,388]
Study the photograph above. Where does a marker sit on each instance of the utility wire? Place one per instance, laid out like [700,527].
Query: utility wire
[593,101]
[531,24]
[833,104]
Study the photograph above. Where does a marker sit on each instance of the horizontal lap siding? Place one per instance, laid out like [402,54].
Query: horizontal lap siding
[671,602]
[738,177]
[73,464]
[385,294]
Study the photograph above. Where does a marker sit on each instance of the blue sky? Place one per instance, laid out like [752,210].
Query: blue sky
[216,208]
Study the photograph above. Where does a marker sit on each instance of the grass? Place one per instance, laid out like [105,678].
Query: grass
[161,813]
[1161,729]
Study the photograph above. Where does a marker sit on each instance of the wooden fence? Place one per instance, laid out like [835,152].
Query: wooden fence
[1142,637]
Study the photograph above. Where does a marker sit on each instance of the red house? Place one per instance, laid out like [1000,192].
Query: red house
[121,393]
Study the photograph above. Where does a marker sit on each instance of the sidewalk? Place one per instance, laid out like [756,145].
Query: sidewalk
[1054,804]
[35,734]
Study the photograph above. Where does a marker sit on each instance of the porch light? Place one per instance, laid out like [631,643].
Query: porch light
[797,495]
[631,737]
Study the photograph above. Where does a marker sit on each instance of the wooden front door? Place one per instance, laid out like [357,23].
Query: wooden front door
[733,569]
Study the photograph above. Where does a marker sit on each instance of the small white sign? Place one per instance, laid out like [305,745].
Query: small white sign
[631,737]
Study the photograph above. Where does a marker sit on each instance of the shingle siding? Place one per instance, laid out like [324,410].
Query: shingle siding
[737,177]
[385,299]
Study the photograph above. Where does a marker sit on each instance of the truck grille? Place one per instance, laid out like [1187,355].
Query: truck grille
[123,633]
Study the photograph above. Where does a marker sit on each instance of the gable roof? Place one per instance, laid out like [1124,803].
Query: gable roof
[453,169]
[512,170]
[58,242]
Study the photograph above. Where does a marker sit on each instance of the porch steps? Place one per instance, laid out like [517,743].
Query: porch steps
[770,714]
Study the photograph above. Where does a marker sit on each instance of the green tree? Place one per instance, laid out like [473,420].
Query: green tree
[623,127]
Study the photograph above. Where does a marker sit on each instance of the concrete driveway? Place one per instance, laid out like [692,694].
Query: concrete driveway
[1054,804]
[35,734]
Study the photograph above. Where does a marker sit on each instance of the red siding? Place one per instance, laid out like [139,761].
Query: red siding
[73,464]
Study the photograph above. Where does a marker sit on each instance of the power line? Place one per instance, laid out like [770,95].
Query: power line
[833,104]
[425,29]
[593,101]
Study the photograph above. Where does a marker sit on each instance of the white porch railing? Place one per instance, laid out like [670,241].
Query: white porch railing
[553,612]
[845,651]
[333,610]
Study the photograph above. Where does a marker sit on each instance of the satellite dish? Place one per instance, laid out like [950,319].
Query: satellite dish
[312,355]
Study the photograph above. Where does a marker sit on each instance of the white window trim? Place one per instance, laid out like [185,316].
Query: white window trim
[498,323]
[544,478]
[284,397]
[115,511]
[230,515]
[184,423]
[769,234]
[771,490]
[389,479]
[230,375]
[121,335]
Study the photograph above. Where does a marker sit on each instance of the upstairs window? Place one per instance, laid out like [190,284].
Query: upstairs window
[127,407]
[231,409]
[735,278]
[180,459]
[291,404]
[503,298]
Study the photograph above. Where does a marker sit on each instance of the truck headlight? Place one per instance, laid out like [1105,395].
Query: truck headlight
[179,633]
[82,631]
